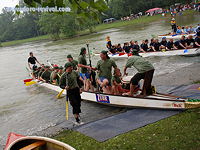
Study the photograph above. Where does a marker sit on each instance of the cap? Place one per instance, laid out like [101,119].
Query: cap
[56,67]
[68,64]
[104,52]
[69,56]
[61,67]
[173,18]
[164,37]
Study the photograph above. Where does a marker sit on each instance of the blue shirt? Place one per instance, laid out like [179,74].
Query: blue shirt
[178,31]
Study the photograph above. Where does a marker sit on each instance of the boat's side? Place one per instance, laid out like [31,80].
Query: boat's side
[180,52]
[174,36]
[150,101]
[50,144]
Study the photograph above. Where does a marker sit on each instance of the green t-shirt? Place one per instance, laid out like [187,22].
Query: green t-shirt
[46,75]
[71,79]
[54,76]
[140,63]
[74,64]
[82,60]
[105,68]
[117,79]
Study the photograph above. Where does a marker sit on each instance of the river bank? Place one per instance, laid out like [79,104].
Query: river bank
[100,27]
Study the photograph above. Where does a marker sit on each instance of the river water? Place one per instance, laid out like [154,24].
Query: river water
[31,110]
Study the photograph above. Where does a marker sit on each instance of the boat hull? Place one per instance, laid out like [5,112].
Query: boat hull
[48,143]
[152,101]
[175,36]
[181,52]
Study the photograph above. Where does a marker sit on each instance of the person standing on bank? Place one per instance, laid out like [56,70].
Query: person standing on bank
[145,71]
[69,82]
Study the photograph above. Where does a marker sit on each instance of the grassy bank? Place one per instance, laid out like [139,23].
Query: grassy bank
[38,38]
[179,132]
[100,27]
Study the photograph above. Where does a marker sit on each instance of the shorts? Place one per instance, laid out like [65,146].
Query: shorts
[102,78]
[85,75]
[74,99]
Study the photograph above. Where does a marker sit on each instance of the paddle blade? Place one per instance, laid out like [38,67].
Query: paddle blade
[30,83]
[59,94]
[67,110]
[27,80]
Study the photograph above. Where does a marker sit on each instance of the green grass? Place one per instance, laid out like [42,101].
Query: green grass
[179,132]
[196,82]
[38,38]
[100,27]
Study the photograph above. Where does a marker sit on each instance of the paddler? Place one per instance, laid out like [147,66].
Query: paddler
[104,66]
[145,71]
[74,62]
[46,74]
[84,72]
[69,82]
[55,77]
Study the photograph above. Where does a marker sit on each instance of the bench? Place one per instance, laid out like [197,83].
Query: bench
[33,145]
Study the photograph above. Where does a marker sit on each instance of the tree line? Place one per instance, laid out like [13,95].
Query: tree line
[85,14]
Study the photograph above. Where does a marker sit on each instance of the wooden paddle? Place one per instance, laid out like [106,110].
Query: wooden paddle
[59,94]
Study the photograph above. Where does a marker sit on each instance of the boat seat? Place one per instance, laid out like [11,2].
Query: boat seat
[33,145]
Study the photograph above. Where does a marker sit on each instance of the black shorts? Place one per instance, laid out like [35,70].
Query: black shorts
[136,78]
[75,99]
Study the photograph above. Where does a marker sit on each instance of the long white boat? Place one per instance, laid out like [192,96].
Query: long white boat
[19,142]
[176,36]
[162,101]
[180,52]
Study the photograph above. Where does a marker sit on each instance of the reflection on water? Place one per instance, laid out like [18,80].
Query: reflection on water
[28,110]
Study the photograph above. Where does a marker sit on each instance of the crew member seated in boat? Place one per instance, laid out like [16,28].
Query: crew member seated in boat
[119,48]
[145,71]
[191,30]
[104,67]
[132,43]
[116,83]
[55,77]
[69,82]
[32,61]
[190,41]
[156,45]
[36,72]
[74,62]
[137,47]
[84,72]
[144,46]
[46,74]
[170,45]
[197,41]
[113,49]
[60,71]
[40,72]
[182,43]
[126,47]
[108,44]
[179,31]
[163,43]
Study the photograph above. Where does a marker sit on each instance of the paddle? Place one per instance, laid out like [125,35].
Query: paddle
[59,94]
[92,72]
[67,103]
